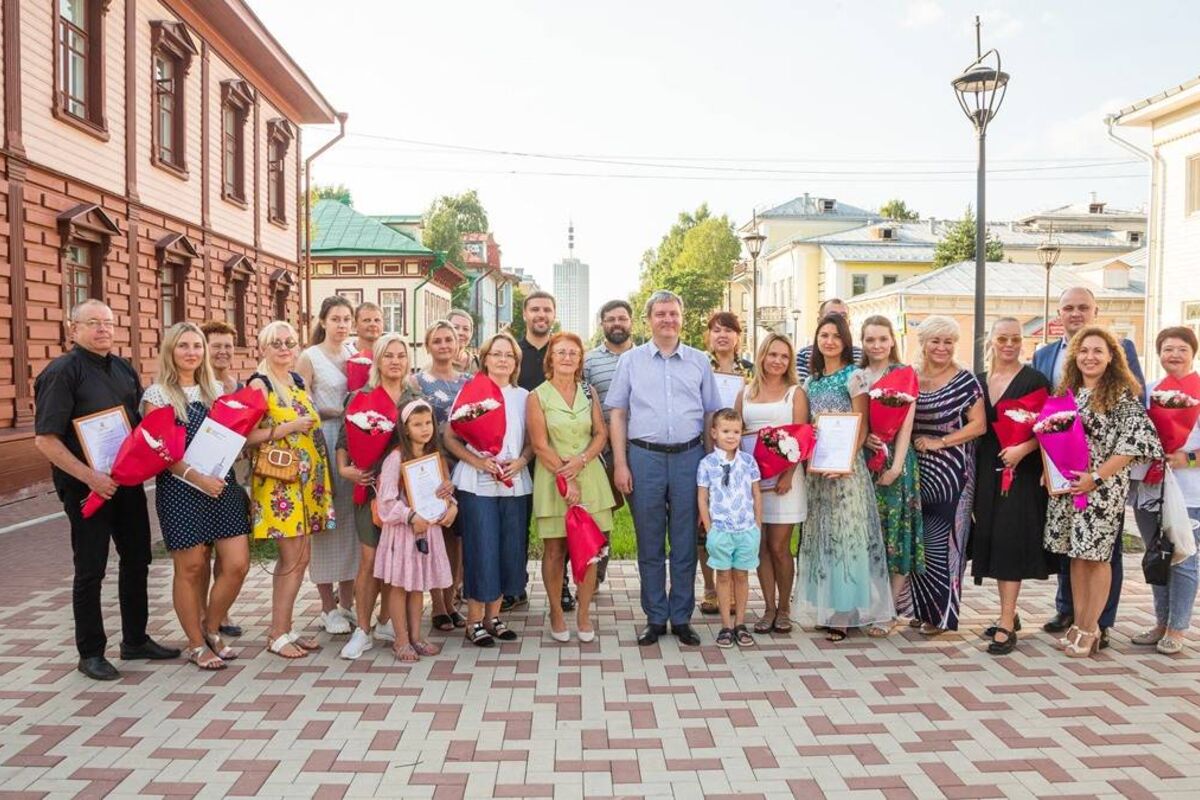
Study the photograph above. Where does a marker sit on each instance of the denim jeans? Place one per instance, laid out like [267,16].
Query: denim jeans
[1173,603]
[495,535]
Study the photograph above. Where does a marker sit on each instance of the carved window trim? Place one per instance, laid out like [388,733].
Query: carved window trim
[170,43]
[87,225]
[280,134]
[173,255]
[239,274]
[237,98]
[93,120]
[281,284]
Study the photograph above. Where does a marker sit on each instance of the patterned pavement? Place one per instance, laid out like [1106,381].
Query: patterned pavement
[795,717]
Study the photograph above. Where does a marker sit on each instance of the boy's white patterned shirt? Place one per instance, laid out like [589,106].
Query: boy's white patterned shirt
[730,504]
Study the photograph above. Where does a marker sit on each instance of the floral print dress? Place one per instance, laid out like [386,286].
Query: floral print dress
[282,510]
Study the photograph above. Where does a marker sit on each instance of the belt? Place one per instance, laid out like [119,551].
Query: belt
[667,448]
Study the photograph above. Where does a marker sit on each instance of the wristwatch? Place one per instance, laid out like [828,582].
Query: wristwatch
[1096,477]
[1191,458]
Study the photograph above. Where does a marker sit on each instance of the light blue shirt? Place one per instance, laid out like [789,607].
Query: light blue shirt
[730,507]
[666,397]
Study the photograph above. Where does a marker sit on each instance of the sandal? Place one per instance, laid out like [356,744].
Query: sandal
[782,624]
[1063,642]
[501,631]
[427,648]
[878,631]
[1085,644]
[998,648]
[478,635]
[443,623]
[766,624]
[990,631]
[743,637]
[725,638]
[407,654]
[930,630]
[457,619]
[710,605]
[308,643]
[835,634]
[196,656]
[223,651]
[1169,646]
[278,647]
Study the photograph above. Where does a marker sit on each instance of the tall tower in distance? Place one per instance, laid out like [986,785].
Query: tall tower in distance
[571,291]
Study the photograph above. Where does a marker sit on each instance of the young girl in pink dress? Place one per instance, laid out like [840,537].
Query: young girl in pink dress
[411,557]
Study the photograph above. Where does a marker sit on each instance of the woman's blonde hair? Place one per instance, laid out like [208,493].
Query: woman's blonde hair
[268,333]
[564,336]
[440,324]
[168,373]
[486,348]
[1114,383]
[936,325]
[381,345]
[790,378]
[989,354]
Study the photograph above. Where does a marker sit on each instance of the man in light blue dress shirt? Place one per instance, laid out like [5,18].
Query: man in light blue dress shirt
[659,402]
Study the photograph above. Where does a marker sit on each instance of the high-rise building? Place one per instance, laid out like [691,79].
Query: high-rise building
[571,291]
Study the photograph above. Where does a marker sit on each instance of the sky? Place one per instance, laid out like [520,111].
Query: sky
[619,115]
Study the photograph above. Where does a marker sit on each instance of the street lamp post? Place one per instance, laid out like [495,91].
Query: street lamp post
[1048,253]
[795,325]
[980,91]
[754,243]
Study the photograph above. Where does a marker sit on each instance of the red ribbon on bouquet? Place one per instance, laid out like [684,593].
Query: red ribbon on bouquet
[155,444]
[1014,425]
[478,417]
[585,541]
[887,409]
[370,424]
[1174,409]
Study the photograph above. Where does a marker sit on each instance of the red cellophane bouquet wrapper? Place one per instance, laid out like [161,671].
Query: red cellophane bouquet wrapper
[1174,409]
[586,544]
[783,446]
[1060,433]
[890,399]
[1014,425]
[239,411]
[370,421]
[358,370]
[155,444]
[478,416]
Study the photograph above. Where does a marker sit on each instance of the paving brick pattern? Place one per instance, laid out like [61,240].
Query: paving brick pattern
[904,717]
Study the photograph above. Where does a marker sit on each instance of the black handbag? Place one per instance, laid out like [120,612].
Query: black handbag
[1156,561]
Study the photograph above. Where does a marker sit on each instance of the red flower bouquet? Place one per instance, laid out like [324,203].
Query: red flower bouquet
[478,417]
[155,444]
[781,447]
[1014,425]
[890,399]
[1174,409]
[370,421]
[1060,433]
[239,411]
[586,544]
[358,370]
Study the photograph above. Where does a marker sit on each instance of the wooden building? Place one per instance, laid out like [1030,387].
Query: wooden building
[151,158]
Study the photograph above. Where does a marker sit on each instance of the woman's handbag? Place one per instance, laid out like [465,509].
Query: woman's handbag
[1156,561]
[278,462]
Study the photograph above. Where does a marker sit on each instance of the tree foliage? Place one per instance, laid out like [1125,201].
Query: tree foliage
[339,192]
[517,327]
[446,220]
[898,210]
[959,243]
[693,260]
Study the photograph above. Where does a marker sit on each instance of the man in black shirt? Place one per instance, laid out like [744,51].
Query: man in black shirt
[86,380]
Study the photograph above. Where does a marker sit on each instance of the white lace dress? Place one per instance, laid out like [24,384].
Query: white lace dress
[786,509]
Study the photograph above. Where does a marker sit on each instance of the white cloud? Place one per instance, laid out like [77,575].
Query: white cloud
[922,13]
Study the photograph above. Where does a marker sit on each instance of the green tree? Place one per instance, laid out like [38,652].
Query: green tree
[693,260]
[898,210]
[959,243]
[446,220]
[517,328]
[339,192]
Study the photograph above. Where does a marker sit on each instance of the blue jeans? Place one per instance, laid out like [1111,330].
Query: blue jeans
[495,535]
[1173,603]
[1064,601]
[663,504]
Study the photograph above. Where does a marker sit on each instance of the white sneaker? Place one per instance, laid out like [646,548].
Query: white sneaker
[384,632]
[359,643]
[334,623]
[349,614]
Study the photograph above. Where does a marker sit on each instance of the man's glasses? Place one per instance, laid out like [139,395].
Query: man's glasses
[289,344]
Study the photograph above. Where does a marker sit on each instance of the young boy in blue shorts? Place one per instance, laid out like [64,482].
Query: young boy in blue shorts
[731,513]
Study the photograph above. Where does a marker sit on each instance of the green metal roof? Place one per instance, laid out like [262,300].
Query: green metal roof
[398,219]
[342,231]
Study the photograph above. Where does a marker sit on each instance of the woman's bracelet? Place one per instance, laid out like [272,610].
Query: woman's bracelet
[411,516]
[185,473]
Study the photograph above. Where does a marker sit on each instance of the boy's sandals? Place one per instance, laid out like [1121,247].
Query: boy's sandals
[743,637]
[766,623]
[427,648]
[223,651]
[878,631]
[408,654]
[285,647]
[710,605]
[725,638]
[835,634]
[205,659]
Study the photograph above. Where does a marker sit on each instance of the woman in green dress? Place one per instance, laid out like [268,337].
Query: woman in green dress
[898,487]
[566,428]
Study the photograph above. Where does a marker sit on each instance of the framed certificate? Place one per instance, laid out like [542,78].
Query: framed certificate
[422,477]
[837,443]
[101,436]
[728,387]
[1056,482]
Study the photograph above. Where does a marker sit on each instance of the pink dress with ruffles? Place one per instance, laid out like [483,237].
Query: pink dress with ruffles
[398,562]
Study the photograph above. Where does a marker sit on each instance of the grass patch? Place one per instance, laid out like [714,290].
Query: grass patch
[622,543]
[263,550]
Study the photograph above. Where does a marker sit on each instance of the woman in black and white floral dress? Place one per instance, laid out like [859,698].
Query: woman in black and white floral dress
[1118,433]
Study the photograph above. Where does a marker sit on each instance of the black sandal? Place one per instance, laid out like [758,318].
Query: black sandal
[743,637]
[501,631]
[835,634]
[443,623]
[990,631]
[725,638]
[479,636]
[765,624]
[457,619]
[1007,646]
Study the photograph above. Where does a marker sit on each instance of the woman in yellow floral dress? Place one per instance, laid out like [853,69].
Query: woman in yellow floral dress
[288,512]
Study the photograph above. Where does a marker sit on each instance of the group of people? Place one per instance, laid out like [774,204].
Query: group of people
[663,426]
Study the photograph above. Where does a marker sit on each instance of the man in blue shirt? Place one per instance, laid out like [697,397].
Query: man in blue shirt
[659,402]
[1076,311]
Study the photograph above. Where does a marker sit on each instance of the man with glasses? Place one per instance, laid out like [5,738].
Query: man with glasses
[86,380]
[1077,310]
[833,305]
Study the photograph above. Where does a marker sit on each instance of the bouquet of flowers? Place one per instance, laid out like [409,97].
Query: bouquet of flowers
[1174,409]
[586,543]
[358,370]
[155,444]
[1060,433]
[1014,424]
[370,422]
[890,399]
[239,411]
[782,446]
[478,416]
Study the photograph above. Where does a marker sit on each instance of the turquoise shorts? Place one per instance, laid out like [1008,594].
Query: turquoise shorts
[733,549]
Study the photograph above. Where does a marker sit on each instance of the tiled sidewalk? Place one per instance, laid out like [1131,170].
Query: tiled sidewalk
[795,717]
